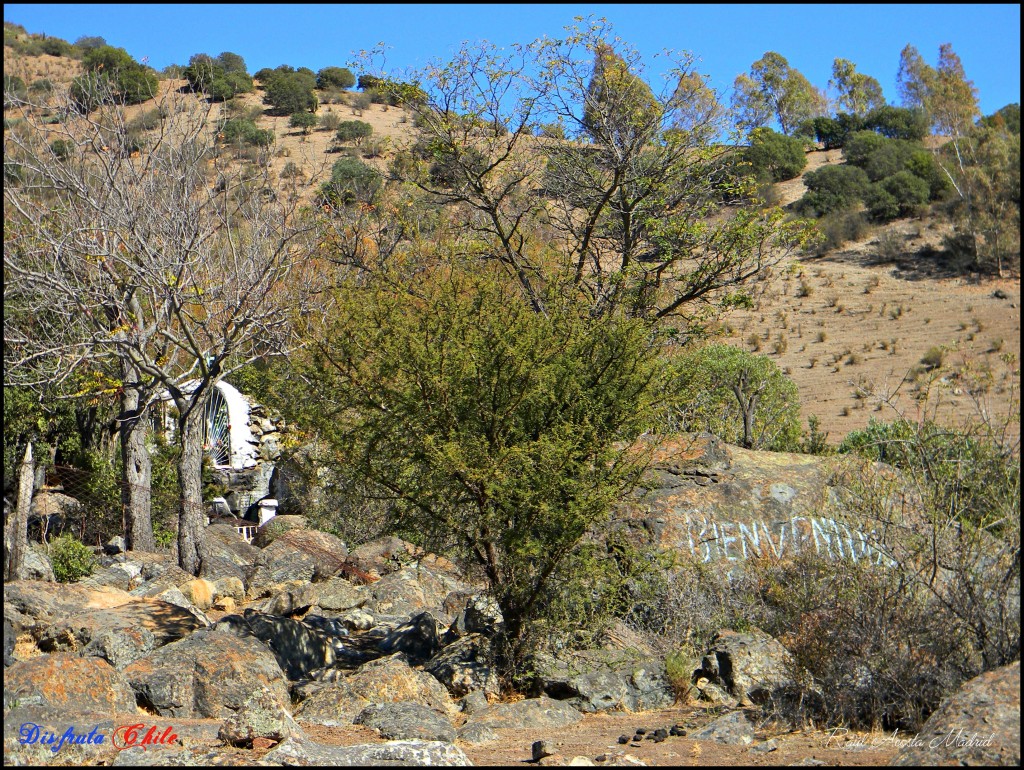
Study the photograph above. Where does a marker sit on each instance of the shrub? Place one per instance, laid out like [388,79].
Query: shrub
[933,358]
[901,194]
[351,181]
[62,148]
[43,85]
[360,102]
[353,130]
[841,227]
[832,132]
[834,188]
[861,145]
[71,559]
[290,92]
[898,122]
[329,121]
[742,398]
[335,77]
[303,120]
[775,156]
[243,131]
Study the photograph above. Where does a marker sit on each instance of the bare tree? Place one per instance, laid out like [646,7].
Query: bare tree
[639,208]
[153,252]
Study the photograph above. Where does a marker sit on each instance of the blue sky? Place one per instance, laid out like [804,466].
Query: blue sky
[726,38]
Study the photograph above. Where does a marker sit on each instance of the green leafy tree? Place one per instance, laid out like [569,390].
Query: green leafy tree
[858,93]
[133,82]
[353,130]
[898,122]
[351,181]
[775,157]
[775,91]
[304,121]
[834,188]
[290,92]
[335,77]
[497,432]
[944,92]
[1004,119]
[900,194]
[742,398]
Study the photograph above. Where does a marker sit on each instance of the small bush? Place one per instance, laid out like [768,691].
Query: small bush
[834,188]
[62,148]
[329,121]
[353,130]
[351,181]
[71,559]
[841,227]
[901,194]
[933,358]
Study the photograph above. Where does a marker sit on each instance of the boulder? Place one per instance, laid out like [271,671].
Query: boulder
[733,729]
[327,551]
[406,721]
[120,645]
[409,591]
[261,716]
[10,637]
[339,594]
[419,639]
[465,666]
[601,680]
[70,685]
[386,680]
[293,601]
[276,527]
[214,568]
[474,734]
[297,646]
[222,540]
[529,714]
[209,674]
[278,568]
[717,502]
[306,753]
[979,725]
[750,666]
[478,614]
[36,565]
[385,554]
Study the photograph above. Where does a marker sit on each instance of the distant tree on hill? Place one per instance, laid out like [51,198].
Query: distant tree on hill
[775,157]
[132,82]
[303,120]
[220,78]
[90,41]
[335,77]
[943,92]
[288,92]
[775,91]
[1006,119]
[353,130]
[858,93]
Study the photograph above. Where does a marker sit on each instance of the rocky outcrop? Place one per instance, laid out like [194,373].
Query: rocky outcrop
[298,647]
[720,502]
[751,666]
[306,753]
[406,721]
[979,725]
[262,716]
[465,666]
[386,680]
[69,684]
[600,680]
[209,674]
[542,712]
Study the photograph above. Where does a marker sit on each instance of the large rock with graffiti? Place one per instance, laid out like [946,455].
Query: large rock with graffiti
[720,502]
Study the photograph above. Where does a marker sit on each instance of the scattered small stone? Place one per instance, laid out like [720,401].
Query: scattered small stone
[623,739]
[677,730]
[641,731]
[660,734]
[999,294]
[769,745]
[602,757]
[541,749]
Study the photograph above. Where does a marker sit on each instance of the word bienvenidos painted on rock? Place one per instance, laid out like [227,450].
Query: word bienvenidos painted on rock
[733,540]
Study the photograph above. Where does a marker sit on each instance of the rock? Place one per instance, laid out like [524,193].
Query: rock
[217,568]
[327,551]
[409,591]
[748,665]
[358,620]
[115,576]
[228,588]
[598,680]
[222,540]
[386,680]
[293,601]
[712,695]
[465,666]
[580,761]
[473,702]
[385,554]
[304,752]
[121,646]
[114,546]
[278,568]
[541,749]
[979,725]
[732,730]
[1000,294]
[37,565]
[70,684]
[477,734]
[419,639]
[209,674]
[766,746]
[261,716]
[199,592]
[718,502]
[406,721]
[478,615]
[339,594]
[10,637]
[298,647]
[276,527]
[527,714]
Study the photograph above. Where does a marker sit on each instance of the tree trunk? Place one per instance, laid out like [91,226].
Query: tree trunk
[137,478]
[191,515]
[16,534]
